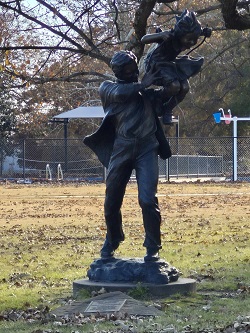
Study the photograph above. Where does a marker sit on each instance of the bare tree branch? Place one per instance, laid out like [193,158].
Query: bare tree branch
[97,43]
[140,24]
[94,52]
[71,25]
[201,11]
[116,19]
[83,77]
[225,49]
[234,19]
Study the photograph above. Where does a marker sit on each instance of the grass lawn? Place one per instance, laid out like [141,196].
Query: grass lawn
[50,234]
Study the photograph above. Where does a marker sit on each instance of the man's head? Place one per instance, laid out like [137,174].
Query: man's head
[124,66]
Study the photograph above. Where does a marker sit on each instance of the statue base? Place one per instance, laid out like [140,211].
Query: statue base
[132,270]
[183,286]
[158,277]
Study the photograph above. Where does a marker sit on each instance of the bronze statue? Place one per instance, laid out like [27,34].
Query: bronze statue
[175,69]
[130,137]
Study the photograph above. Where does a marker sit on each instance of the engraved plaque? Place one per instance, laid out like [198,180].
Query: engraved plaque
[105,306]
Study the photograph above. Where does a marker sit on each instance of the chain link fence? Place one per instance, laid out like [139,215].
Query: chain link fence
[71,160]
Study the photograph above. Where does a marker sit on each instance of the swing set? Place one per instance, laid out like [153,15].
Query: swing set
[218,117]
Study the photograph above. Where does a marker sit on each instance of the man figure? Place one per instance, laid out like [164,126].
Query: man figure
[130,137]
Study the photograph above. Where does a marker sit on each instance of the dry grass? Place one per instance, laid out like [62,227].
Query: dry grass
[50,233]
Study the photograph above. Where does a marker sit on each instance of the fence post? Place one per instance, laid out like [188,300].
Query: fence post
[104,174]
[66,120]
[235,153]
[24,158]
[168,169]
[1,169]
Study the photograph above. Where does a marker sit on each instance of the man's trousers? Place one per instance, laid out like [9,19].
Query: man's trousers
[141,155]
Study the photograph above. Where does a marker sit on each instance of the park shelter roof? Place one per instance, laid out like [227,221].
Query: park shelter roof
[82,112]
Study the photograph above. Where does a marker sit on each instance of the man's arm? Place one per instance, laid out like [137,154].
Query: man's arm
[113,92]
[150,77]
[158,97]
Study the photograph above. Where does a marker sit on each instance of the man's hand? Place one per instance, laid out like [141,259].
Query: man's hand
[150,77]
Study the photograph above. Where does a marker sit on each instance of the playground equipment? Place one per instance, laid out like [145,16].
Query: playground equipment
[59,172]
[48,173]
[218,116]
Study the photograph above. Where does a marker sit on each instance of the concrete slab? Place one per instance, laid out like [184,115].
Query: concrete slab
[182,286]
[107,303]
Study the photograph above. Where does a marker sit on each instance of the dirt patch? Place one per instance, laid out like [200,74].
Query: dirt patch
[72,203]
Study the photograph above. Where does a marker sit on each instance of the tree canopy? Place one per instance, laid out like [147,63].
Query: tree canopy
[54,54]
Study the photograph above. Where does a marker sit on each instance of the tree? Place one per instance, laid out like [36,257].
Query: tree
[7,120]
[89,30]
[55,53]
[236,14]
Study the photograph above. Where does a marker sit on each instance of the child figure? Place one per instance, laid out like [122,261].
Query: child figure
[175,70]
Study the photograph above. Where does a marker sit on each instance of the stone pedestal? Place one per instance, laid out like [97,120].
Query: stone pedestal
[158,277]
[132,270]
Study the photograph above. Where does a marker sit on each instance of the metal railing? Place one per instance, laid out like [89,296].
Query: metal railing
[71,160]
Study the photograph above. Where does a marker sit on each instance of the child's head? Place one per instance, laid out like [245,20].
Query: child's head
[187,29]
[187,23]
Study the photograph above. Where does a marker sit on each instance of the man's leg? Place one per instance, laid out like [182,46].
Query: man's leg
[147,179]
[118,175]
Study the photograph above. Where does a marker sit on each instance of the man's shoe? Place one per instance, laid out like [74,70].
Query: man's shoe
[152,255]
[108,250]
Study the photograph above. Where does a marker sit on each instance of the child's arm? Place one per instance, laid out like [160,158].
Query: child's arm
[156,37]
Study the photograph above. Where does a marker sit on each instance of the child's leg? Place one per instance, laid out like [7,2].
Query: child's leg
[173,89]
[174,101]
[183,91]
[168,112]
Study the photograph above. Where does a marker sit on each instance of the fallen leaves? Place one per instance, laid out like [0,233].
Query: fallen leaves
[50,234]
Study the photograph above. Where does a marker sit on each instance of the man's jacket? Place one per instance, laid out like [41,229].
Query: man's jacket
[101,142]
